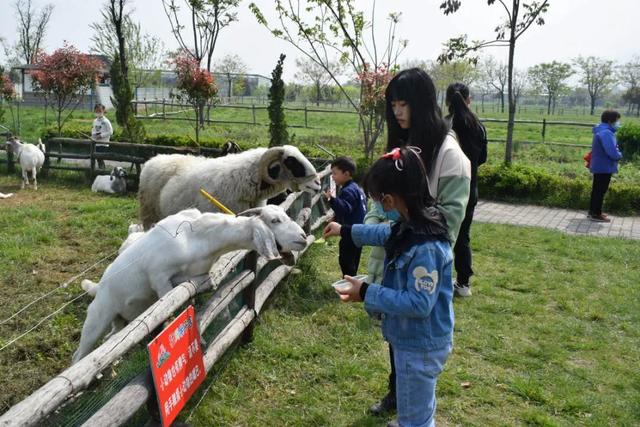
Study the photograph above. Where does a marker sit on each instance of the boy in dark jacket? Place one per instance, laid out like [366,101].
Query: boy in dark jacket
[349,206]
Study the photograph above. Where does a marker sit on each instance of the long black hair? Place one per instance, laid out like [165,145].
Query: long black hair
[428,129]
[402,172]
[466,125]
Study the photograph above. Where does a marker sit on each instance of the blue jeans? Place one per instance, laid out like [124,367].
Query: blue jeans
[416,377]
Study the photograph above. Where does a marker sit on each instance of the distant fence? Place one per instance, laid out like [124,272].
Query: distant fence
[166,110]
[241,281]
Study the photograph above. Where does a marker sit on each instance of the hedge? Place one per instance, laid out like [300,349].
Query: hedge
[628,137]
[530,184]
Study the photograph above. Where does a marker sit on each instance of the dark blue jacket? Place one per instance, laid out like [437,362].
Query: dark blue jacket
[350,206]
[604,149]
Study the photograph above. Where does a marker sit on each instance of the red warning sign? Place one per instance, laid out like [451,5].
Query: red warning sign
[177,364]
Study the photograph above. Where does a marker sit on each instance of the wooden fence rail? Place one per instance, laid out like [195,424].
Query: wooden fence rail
[35,408]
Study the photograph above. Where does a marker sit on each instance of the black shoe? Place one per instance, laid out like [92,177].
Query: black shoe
[384,406]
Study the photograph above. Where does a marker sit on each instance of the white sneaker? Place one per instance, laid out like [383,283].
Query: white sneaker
[461,290]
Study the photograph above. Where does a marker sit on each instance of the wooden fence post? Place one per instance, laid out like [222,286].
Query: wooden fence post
[92,158]
[10,165]
[544,128]
[249,293]
[47,159]
[253,112]
[306,124]
[164,113]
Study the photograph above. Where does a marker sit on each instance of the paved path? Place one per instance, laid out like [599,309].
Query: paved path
[573,222]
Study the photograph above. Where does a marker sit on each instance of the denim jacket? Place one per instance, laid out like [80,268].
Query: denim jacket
[416,298]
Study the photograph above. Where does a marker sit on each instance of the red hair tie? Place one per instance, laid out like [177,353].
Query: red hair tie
[393,154]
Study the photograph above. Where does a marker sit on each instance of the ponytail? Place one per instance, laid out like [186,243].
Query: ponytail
[463,121]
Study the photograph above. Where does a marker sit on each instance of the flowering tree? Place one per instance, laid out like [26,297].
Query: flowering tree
[63,78]
[196,86]
[373,83]
[320,29]
[7,92]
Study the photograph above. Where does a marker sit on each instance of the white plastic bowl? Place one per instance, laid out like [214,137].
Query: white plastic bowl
[344,284]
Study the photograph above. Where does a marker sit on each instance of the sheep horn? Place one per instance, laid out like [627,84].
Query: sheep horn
[251,212]
[273,153]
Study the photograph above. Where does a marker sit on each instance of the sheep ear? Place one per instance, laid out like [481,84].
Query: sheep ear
[270,156]
[251,212]
[264,240]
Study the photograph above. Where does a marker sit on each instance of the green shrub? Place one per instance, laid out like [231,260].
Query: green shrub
[535,185]
[628,137]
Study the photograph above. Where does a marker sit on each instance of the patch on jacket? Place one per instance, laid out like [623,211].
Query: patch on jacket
[425,280]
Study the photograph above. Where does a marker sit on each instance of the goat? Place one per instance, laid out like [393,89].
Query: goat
[230,147]
[171,183]
[30,157]
[191,242]
[116,182]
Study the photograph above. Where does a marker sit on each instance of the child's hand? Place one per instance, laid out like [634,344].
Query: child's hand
[351,294]
[332,229]
[327,194]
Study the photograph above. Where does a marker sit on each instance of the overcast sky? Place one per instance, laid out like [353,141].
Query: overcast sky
[607,29]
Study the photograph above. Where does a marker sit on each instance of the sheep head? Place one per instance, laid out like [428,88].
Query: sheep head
[118,172]
[275,235]
[288,165]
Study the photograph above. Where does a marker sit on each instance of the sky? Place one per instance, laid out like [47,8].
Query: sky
[573,27]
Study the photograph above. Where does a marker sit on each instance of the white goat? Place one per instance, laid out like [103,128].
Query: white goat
[171,183]
[181,247]
[114,183]
[30,157]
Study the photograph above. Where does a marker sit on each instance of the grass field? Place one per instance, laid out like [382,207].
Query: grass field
[549,338]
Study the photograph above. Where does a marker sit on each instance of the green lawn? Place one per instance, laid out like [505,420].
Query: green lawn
[549,338]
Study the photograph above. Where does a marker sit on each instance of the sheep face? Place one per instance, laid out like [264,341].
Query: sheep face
[288,164]
[118,172]
[288,235]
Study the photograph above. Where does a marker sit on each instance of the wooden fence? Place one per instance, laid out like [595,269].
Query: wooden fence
[166,110]
[253,284]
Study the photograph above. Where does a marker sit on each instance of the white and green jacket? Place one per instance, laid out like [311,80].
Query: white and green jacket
[449,182]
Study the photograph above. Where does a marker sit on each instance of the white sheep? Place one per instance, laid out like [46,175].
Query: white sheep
[181,247]
[116,182]
[171,183]
[30,157]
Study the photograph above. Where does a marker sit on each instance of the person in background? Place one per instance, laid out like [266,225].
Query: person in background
[473,140]
[416,293]
[605,155]
[350,207]
[101,131]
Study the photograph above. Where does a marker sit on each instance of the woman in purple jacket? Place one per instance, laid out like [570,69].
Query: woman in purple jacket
[604,161]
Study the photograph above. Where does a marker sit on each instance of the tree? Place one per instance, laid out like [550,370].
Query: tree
[195,86]
[208,18]
[443,74]
[32,25]
[230,65]
[63,78]
[277,122]
[116,18]
[320,27]
[520,84]
[143,51]
[7,91]
[549,78]
[496,75]
[629,75]
[596,75]
[311,72]
[508,32]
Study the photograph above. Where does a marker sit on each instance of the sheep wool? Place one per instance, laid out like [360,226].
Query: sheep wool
[171,183]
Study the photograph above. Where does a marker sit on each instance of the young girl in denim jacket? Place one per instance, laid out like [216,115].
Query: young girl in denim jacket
[415,297]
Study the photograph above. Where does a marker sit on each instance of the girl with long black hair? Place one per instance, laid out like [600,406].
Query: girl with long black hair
[473,141]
